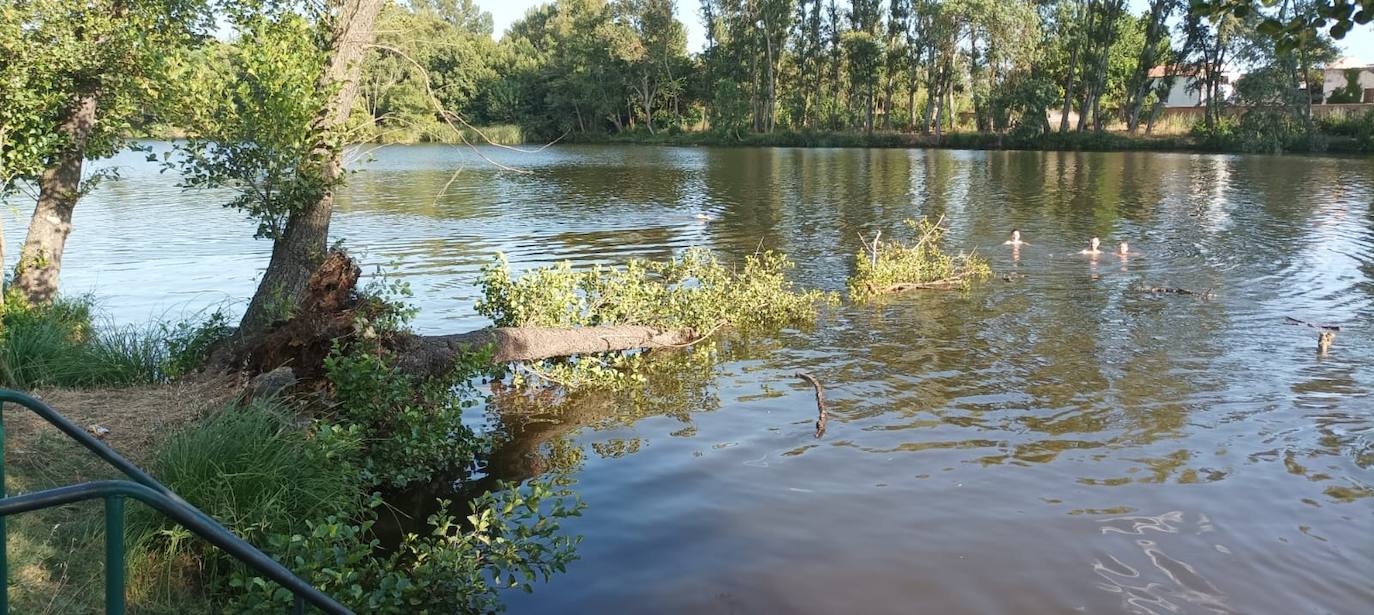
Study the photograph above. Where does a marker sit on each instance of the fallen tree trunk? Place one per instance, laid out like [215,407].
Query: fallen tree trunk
[435,354]
[332,311]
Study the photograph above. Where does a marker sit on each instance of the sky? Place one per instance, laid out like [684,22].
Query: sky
[1358,44]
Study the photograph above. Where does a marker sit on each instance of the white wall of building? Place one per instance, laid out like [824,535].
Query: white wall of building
[1335,80]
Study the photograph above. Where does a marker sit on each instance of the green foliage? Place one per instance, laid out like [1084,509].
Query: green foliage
[249,112]
[188,343]
[510,540]
[693,290]
[1293,29]
[55,52]
[921,263]
[1351,93]
[411,430]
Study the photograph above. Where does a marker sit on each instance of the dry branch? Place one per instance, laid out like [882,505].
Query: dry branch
[1293,321]
[820,401]
[1206,294]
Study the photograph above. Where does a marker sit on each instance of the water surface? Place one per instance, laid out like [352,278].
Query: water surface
[1055,440]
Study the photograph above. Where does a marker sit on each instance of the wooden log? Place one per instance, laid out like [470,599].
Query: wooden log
[435,354]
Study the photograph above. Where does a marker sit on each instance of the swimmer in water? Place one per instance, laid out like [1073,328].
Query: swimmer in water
[1125,250]
[1093,247]
[1015,239]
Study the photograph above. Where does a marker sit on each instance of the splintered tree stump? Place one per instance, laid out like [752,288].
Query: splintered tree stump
[327,312]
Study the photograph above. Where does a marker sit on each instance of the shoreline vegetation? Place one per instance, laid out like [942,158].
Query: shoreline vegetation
[1107,141]
[1352,137]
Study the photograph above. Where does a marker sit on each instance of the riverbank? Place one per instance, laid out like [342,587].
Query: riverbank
[301,469]
[1107,141]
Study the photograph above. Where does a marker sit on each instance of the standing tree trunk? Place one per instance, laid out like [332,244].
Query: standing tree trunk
[302,245]
[1068,89]
[59,187]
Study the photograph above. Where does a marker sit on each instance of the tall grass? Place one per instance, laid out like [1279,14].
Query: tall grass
[59,344]
[253,470]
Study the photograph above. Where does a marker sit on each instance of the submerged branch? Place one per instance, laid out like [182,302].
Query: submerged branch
[1293,321]
[1206,294]
[820,401]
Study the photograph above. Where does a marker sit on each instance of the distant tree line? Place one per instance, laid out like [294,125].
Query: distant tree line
[1035,66]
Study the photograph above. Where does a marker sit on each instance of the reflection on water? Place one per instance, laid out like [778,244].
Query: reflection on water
[1054,440]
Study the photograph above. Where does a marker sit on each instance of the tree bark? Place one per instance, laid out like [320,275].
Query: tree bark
[59,187]
[302,244]
[433,355]
[331,307]
[1068,90]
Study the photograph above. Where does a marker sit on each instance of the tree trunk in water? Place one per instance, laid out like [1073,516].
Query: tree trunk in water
[330,307]
[59,187]
[302,244]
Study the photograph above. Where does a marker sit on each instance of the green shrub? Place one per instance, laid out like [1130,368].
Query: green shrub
[924,262]
[410,429]
[510,540]
[188,343]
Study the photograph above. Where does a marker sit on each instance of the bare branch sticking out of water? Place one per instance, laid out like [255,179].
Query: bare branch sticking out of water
[820,401]
[1324,340]
[1206,294]
[1293,321]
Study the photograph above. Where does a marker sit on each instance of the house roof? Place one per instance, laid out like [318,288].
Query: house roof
[1349,62]
[1161,71]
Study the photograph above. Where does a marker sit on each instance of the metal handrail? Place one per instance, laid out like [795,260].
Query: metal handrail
[143,488]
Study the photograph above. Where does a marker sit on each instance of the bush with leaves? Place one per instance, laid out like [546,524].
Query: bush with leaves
[896,265]
[510,540]
[693,291]
[411,429]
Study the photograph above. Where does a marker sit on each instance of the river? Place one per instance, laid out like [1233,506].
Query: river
[1055,440]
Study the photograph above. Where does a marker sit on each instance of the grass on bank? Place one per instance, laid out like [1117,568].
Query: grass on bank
[61,345]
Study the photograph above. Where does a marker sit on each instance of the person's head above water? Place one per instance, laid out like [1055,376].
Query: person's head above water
[1015,238]
[1092,247]
[1123,248]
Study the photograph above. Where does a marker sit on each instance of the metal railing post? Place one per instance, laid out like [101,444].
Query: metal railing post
[114,555]
[4,538]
